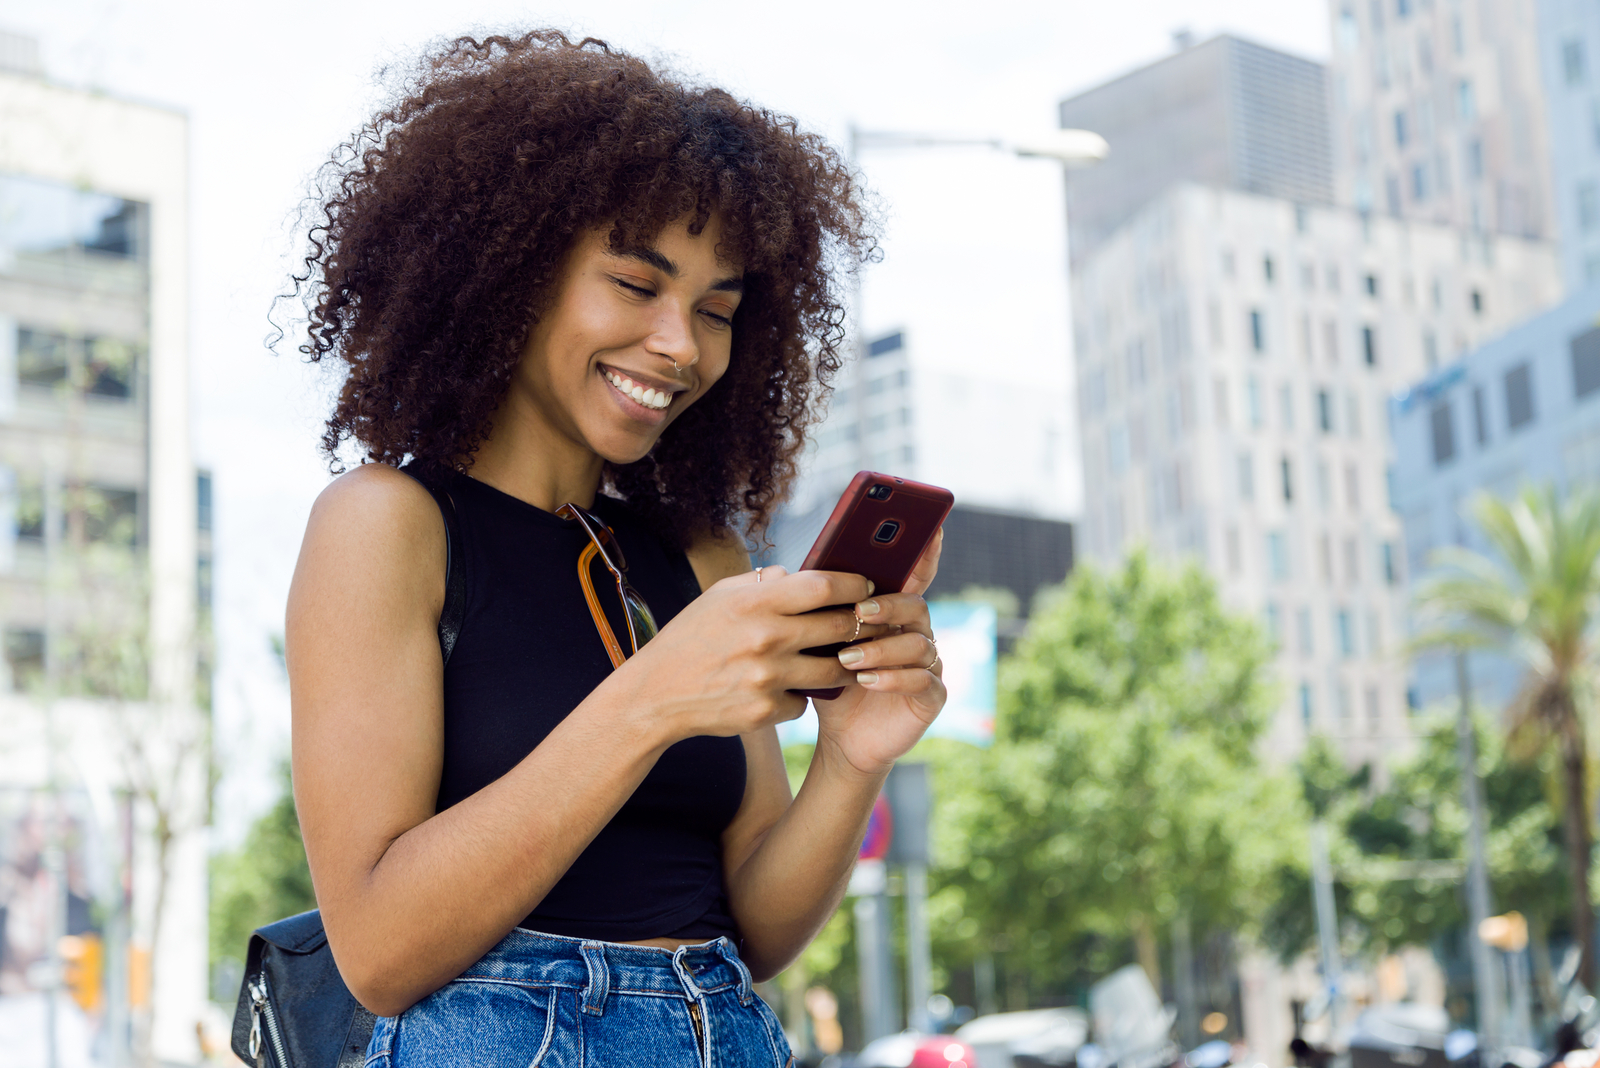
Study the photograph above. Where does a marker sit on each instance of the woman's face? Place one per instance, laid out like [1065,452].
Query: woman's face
[631,339]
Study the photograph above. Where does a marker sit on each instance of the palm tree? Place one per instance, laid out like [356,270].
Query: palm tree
[1537,599]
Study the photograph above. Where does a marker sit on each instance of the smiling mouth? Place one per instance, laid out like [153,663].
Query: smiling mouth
[648,396]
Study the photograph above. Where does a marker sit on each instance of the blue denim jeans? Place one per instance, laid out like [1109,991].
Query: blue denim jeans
[538,1000]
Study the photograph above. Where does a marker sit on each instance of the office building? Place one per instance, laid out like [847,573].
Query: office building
[101,737]
[1522,409]
[1440,114]
[998,445]
[1235,359]
[1569,45]
[1226,113]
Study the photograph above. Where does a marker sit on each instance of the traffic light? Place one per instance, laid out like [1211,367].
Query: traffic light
[83,958]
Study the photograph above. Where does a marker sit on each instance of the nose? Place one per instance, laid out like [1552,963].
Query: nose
[672,336]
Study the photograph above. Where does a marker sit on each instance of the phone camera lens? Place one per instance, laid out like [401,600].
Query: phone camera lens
[886,531]
[879,493]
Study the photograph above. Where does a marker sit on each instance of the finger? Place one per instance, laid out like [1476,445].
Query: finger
[830,627]
[806,591]
[907,650]
[907,610]
[755,575]
[927,565]
[920,684]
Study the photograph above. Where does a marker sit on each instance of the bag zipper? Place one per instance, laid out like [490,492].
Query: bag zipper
[261,1010]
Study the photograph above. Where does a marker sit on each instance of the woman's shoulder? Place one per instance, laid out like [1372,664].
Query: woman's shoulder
[374,504]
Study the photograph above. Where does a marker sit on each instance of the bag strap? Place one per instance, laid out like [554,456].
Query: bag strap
[455,577]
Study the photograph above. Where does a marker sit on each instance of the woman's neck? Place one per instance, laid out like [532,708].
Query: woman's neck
[527,458]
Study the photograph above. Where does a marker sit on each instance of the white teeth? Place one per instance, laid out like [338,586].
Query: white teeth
[650,398]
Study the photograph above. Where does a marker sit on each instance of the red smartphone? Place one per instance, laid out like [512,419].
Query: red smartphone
[878,530]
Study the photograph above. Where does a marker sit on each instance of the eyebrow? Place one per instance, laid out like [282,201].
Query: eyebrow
[654,258]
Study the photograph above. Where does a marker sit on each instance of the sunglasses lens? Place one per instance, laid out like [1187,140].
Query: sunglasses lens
[644,624]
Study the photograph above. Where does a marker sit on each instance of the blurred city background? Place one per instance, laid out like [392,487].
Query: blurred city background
[1269,602]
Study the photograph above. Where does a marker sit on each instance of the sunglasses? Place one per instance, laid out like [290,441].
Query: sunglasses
[603,544]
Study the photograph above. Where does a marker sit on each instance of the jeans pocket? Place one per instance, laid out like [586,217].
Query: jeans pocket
[782,1055]
[474,1023]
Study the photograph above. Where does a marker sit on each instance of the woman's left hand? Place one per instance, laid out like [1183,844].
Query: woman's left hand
[898,689]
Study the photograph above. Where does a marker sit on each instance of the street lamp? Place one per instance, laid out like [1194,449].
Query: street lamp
[1074,150]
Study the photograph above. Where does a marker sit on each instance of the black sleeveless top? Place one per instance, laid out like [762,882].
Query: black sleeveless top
[526,655]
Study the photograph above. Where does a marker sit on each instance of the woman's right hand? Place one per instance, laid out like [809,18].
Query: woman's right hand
[725,665]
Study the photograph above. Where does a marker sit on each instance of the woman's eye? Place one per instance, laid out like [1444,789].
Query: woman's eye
[630,287]
[720,320]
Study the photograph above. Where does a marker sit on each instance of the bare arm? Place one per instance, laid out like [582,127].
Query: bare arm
[788,859]
[410,898]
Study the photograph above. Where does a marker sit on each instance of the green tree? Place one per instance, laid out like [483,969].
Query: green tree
[1396,851]
[1536,598]
[1123,792]
[263,880]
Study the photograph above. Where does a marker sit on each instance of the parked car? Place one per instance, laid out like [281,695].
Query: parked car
[910,1049]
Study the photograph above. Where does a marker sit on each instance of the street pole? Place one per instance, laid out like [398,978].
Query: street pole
[1327,920]
[919,949]
[878,1015]
[1485,979]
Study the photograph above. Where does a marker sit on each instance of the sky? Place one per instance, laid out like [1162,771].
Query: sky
[974,240]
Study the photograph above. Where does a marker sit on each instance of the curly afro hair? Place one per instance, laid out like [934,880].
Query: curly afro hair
[444,222]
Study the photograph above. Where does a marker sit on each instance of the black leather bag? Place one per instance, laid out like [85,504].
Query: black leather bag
[294,1009]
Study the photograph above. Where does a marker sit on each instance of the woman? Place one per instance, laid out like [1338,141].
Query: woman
[537,833]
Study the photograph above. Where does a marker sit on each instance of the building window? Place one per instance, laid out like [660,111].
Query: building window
[202,501]
[1391,191]
[1278,556]
[1419,182]
[1588,207]
[1466,103]
[1586,362]
[1480,416]
[1477,302]
[1391,577]
[24,651]
[1247,477]
[1303,625]
[1266,269]
[1519,396]
[1444,436]
[1402,8]
[1572,61]
[1324,411]
[1258,340]
[1371,285]
[1475,160]
[1286,406]
[1342,626]
[1400,129]
[1369,345]
[1288,480]
[1305,705]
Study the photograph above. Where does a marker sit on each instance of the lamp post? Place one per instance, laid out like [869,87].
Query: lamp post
[1073,149]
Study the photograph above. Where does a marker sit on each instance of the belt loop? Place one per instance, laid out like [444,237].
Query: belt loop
[599,985]
[746,980]
[685,976]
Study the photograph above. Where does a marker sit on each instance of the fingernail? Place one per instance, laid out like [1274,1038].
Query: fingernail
[872,587]
[866,608]
[866,678]
[851,657]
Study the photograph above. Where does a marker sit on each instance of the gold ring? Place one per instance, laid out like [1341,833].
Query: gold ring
[934,664]
[758,572]
[857,634]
